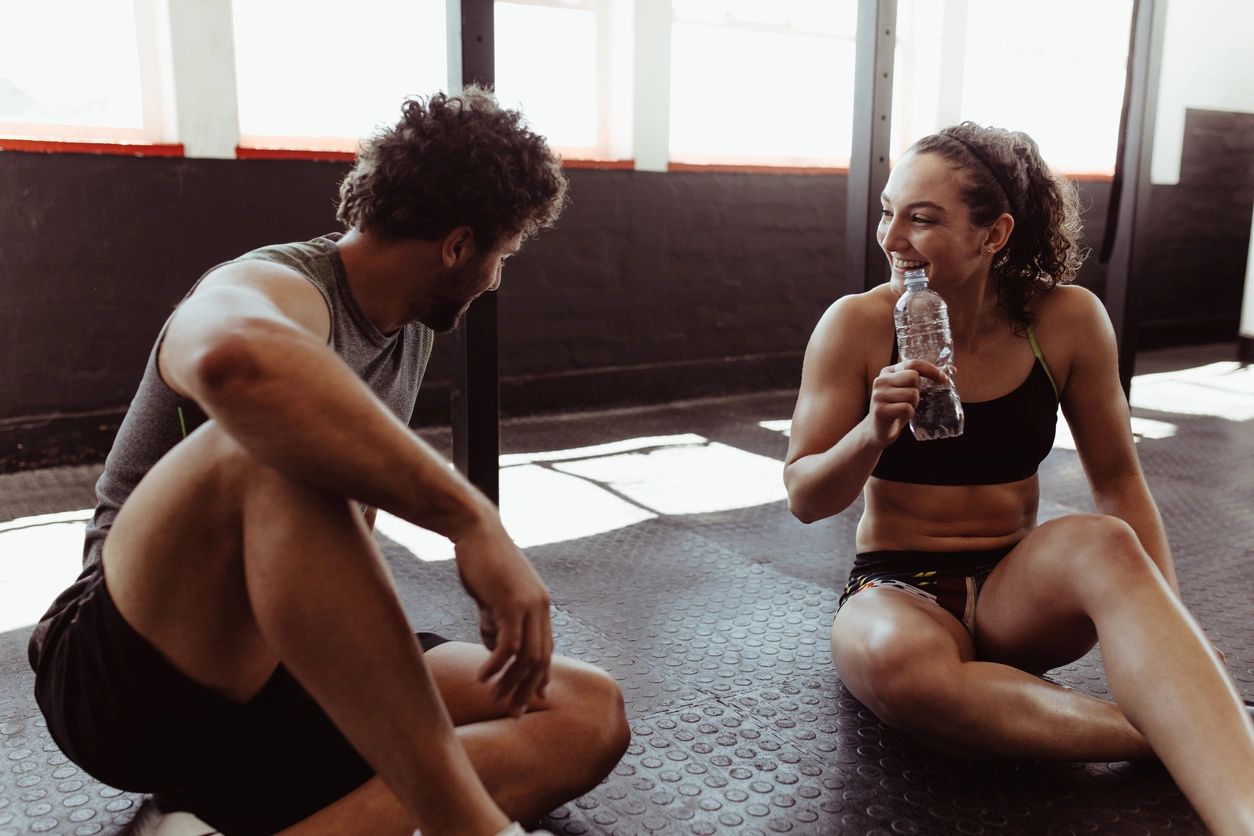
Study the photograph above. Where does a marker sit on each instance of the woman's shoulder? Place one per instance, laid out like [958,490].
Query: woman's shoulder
[868,307]
[858,316]
[1066,308]
[1071,327]
[855,332]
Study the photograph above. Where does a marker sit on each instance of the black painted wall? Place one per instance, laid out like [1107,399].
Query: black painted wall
[652,287]
[1196,246]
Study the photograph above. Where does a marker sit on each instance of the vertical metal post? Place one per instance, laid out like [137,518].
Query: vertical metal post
[1130,192]
[476,391]
[865,266]
[1245,331]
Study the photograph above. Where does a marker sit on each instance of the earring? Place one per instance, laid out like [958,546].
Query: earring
[988,251]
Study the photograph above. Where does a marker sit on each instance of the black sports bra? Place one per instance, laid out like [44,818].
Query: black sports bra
[1003,440]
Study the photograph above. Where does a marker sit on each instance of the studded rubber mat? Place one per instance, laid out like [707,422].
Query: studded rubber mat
[674,564]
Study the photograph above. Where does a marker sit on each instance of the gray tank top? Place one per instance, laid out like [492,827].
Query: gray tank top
[391,365]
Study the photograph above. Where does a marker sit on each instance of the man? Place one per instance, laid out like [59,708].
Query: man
[235,644]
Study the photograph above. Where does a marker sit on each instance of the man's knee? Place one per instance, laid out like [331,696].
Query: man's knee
[247,480]
[223,458]
[593,702]
[213,445]
[192,490]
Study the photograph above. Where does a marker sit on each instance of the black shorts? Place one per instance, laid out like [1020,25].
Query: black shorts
[122,712]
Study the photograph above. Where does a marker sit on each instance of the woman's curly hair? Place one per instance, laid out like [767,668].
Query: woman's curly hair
[453,161]
[1005,173]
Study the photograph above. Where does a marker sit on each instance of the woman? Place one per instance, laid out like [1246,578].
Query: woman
[958,600]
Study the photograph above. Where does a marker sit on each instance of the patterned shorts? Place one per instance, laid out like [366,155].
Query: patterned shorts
[951,580]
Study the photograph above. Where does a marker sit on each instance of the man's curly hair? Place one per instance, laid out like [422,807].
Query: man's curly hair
[1004,172]
[452,161]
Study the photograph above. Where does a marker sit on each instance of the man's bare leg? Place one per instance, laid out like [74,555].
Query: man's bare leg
[560,749]
[227,566]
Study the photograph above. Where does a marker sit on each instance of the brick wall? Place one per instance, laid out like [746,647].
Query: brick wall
[652,287]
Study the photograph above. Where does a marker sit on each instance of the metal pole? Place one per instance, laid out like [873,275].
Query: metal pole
[865,266]
[476,393]
[1245,332]
[1130,192]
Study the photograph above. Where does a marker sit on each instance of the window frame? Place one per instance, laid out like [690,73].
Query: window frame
[151,138]
[622,129]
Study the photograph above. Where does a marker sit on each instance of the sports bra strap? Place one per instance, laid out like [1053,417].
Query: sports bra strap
[1036,350]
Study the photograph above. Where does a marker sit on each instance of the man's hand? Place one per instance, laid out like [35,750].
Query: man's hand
[513,612]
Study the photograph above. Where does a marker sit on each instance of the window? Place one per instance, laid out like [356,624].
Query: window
[744,82]
[926,93]
[565,65]
[83,70]
[318,75]
[1055,71]
[762,83]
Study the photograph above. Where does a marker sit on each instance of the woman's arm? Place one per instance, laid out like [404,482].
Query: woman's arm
[839,428]
[1097,412]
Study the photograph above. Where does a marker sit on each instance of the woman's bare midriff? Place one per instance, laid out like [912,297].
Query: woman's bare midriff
[946,518]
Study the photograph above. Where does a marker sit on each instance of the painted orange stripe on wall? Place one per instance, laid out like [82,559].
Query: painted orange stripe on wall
[127,149]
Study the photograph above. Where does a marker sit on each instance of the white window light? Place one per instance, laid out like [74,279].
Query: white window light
[762,83]
[566,65]
[1039,68]
[315,75]
[85,71]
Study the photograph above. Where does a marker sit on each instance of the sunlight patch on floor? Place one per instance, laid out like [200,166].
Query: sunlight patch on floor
[626,445]
[783,426]
[37,561]
[699,479]
[1220,390]
[1142,428]
[538,506]
[45,519]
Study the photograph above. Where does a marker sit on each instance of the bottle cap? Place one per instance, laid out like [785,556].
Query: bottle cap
[916,276]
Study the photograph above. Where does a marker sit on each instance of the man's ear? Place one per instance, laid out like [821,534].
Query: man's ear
[458,247]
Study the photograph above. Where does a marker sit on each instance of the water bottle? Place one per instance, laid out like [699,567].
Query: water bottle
[922,320]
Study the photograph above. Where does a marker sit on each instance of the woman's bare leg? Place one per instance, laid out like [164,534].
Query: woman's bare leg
[1071,581]
[914,665]
[1091,570]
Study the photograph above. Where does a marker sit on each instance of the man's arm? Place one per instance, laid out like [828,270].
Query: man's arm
[250,352]
[250,348]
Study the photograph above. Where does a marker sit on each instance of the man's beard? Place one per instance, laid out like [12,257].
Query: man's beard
[451,295]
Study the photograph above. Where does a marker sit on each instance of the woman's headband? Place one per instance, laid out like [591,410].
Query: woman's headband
[984,161]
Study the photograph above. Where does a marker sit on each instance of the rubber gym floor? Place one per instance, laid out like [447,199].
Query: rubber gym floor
[674,564]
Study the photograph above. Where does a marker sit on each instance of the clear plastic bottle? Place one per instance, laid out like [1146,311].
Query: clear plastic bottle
[922,320]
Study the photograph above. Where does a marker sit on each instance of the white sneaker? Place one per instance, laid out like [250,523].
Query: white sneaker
[150,821]
[514,829]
